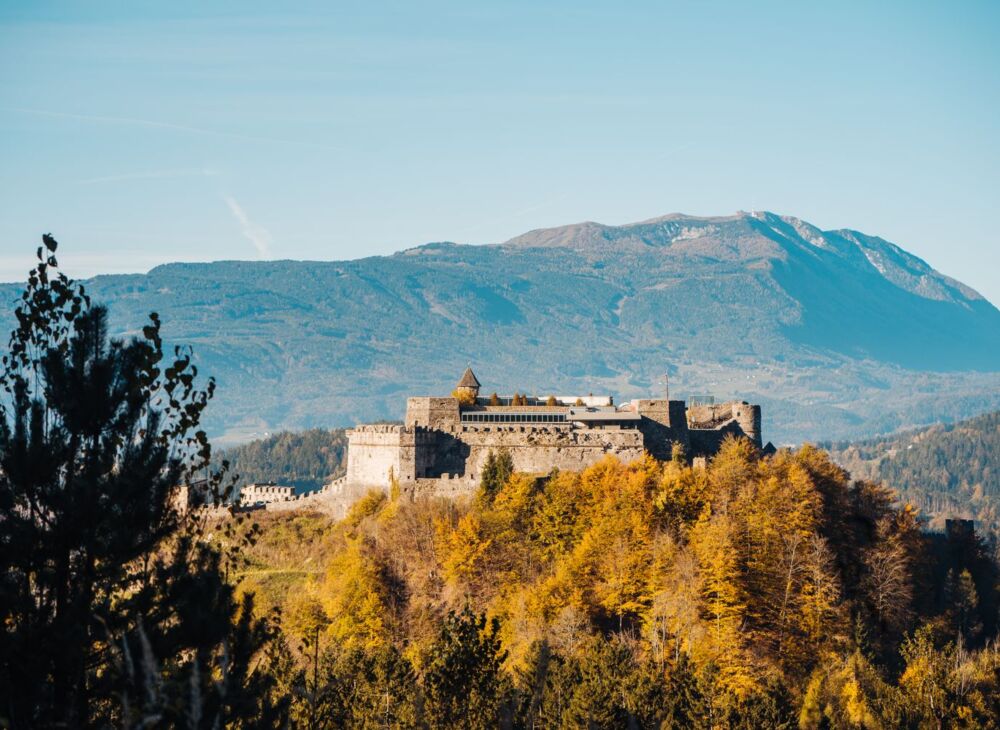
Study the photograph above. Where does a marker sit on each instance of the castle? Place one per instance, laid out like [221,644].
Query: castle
[444,442]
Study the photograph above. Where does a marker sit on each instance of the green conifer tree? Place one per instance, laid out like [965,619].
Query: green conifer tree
[497,469]
[463,683]
[115,607]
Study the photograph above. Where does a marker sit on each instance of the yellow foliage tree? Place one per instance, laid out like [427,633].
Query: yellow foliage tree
[302,614]
[464,396]
[352,596]
[462,547]
[724,603]
[682,494]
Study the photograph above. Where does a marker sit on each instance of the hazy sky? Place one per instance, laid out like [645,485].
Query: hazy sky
[140,132]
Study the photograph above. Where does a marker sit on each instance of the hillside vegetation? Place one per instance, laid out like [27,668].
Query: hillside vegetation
[305,459]
[947,470]
[757,592]
[837,334]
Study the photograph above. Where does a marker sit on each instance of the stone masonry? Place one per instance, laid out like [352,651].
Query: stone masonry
[442,445]
[444,442]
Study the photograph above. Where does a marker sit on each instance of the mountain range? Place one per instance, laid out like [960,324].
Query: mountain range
[837,334]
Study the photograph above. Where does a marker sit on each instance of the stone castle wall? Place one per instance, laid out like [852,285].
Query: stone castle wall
[256,493]
[455,456]
[435,453]
[375,452]
[539,449]
[709,424]
[432,412]
[663,423]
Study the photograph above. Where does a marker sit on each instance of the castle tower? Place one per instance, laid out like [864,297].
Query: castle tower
[748,418]
[468,386]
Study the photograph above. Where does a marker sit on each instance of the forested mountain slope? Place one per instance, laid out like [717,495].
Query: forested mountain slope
[836,333]
[304,459]
[947,470]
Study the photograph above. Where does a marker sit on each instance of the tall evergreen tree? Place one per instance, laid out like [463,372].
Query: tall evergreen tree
[497,469]
[463,684]
[115,610]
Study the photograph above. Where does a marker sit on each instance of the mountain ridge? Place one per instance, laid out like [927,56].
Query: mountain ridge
[873,248]
[760,307]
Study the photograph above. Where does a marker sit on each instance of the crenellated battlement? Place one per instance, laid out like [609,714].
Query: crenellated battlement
[444,442]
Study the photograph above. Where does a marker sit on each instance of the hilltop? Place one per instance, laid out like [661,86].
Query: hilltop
[836,333]
[768,592]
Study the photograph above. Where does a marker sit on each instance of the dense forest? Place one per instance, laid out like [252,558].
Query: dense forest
[947,470]
[304,459]
[750,592]
[759,592]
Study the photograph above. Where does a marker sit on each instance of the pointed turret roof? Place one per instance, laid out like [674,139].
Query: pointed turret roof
[468,379]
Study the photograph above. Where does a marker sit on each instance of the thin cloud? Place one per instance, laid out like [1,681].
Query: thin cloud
[154,124]
[259,236]
[150,175]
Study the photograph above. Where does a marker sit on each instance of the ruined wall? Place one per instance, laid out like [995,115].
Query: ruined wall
[446,486]
[663,423]
[334,499]
[440,452]
[708,424]
[749,418]
[258,493]
[706,442]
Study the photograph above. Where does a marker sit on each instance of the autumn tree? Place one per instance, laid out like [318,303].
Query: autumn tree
[464,396]
[888,578]
[724,602]
[555,521]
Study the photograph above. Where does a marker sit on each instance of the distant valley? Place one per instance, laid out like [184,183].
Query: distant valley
[837,334]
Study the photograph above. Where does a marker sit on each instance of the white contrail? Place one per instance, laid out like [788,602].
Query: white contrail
[259,236]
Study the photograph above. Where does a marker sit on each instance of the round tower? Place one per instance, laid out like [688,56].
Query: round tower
[748,418]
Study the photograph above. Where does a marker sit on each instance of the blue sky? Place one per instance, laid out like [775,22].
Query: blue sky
[140,133]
